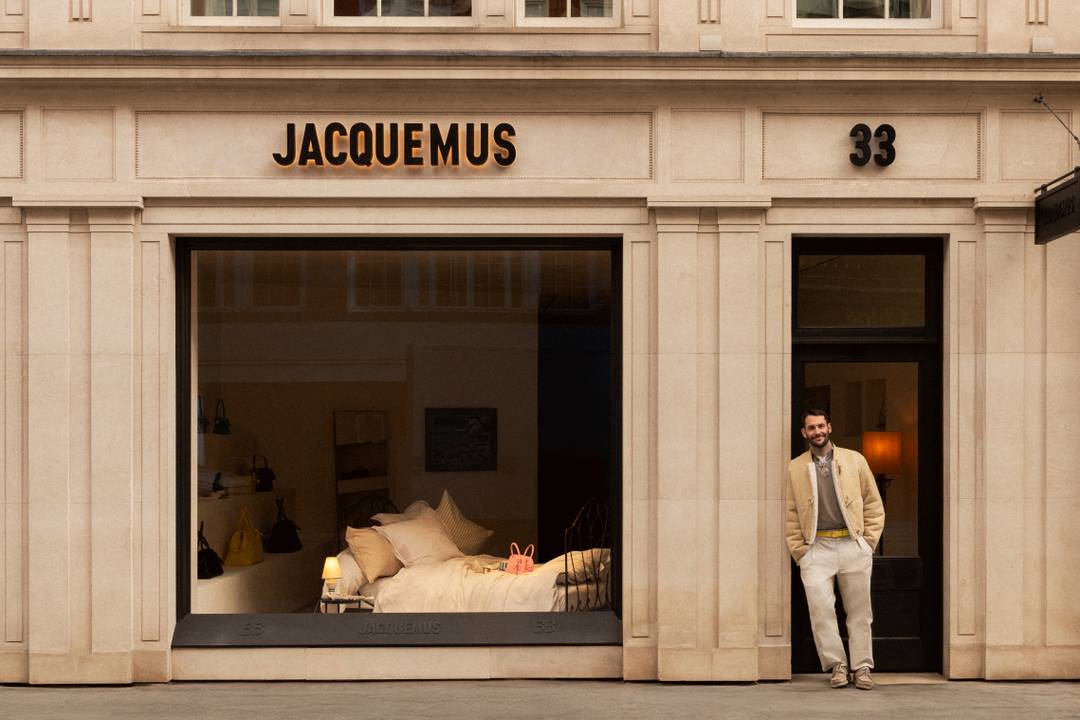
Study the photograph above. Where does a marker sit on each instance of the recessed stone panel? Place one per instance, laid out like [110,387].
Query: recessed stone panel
[707,145]
[235,145]
[79,144]
[817,146]
[1034,146]
[11,144]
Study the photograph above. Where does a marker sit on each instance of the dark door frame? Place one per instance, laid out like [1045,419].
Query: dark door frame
[922,345]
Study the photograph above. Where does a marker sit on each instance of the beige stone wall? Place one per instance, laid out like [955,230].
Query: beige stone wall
[706,182]
[990,26]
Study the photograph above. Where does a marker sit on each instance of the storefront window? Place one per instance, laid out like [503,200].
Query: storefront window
[380,431]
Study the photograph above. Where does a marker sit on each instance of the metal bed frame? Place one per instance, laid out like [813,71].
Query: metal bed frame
[590,529]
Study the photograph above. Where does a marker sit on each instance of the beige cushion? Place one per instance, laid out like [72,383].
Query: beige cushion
[411,513]
[419,541]
[467,535]
[372,552]
[591,565]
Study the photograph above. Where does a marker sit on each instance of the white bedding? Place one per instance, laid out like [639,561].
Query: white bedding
[451,586]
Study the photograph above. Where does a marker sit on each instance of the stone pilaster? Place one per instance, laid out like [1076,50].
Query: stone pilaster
[710,369]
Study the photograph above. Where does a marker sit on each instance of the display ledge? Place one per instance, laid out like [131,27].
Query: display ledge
[397,629]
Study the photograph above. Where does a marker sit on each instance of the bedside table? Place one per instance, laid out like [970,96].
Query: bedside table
[342,603]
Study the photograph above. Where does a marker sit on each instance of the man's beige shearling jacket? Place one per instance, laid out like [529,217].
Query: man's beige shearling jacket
[856,490]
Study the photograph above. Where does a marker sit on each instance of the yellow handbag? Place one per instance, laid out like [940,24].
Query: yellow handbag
[245,547]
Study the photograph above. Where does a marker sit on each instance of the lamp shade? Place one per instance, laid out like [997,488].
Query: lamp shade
[331,569]
[882,451]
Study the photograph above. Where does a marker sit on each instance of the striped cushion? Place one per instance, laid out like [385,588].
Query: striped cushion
[467,535]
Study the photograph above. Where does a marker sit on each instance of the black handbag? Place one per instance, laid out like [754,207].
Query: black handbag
[263,476]
[203,423]
[209,561]
[222,426]
[284,537]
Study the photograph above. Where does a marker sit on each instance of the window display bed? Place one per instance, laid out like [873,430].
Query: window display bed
[577,580]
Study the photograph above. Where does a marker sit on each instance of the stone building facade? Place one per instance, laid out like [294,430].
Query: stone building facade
[708,137]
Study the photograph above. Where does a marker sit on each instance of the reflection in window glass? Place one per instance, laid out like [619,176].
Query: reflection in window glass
[590,8]
[212,8]
[853,291]
[241,8]
[371,381]
[864,9]
[258,8]
[402,8]
[356,8]
[545,8]
[450,8]
[913,9]
[573,8]
[817,9]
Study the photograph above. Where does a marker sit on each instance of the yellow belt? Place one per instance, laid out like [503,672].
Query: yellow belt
[833,533]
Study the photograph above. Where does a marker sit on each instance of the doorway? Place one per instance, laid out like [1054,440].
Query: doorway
[866,347]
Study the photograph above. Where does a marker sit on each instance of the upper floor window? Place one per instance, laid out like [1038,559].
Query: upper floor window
[568,8]
[402,8]
[869,12]
[235,8]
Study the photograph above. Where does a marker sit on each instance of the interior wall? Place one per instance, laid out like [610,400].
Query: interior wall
[284,368]
[504,378]
[294,426]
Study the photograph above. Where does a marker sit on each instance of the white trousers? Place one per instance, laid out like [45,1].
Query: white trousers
[846,560]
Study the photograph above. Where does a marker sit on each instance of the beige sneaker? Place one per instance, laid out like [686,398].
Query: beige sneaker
[839,675]
[863,681]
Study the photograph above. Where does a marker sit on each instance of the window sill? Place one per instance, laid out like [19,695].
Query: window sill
[855,40]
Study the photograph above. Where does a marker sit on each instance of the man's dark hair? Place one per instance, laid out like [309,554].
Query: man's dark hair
[815,411]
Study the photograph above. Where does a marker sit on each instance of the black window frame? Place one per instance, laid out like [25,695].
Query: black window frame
[208,630]
[931,329]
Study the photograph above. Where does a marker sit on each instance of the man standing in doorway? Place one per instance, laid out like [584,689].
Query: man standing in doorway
[834,521]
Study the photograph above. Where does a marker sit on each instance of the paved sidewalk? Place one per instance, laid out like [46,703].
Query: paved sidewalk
[802,699]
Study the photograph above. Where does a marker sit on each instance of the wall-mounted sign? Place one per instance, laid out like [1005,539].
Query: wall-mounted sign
[1057,208]
[885,135]
[411,144]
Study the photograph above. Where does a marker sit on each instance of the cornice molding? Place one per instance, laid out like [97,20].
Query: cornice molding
[632,66]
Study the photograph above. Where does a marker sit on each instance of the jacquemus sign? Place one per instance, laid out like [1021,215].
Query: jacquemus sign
[387,145]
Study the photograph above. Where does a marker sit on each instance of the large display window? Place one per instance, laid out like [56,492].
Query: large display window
[398,442]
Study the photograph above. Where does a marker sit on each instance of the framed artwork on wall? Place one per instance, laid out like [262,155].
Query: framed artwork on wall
[460,439]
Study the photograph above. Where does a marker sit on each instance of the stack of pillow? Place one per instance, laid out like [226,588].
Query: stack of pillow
[418,536]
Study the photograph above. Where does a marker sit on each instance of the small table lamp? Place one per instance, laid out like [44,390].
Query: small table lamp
[331,573]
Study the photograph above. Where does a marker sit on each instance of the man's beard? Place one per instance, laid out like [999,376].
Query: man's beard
[820,442]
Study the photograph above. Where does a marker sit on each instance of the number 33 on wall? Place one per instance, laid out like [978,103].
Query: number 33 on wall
[886,136]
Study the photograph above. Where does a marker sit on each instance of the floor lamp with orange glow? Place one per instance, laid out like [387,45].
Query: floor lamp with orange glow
[882,451]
